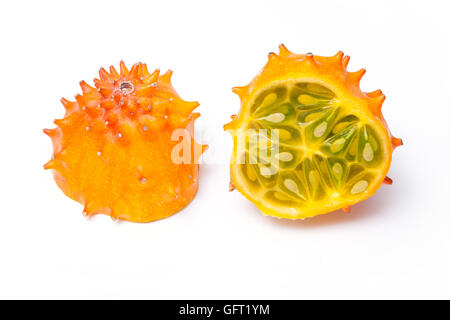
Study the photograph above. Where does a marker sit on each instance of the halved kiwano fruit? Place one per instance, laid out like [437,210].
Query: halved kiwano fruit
[307,140]
[116,150]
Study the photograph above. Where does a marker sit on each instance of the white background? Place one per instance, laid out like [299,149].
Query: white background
[394,245]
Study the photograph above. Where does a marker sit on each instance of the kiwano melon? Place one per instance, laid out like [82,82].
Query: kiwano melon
[114,148]
[307,140]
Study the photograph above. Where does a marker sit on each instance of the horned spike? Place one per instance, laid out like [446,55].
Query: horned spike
[240,91]
[309,57]
[345,61]
[272,56]
[89,209]
[50,165]
[338,57]
[154,77]
[134,70]
[114,72]
[48,132]
[379,100]
[284,52]
[68,105]
[166,77]
[86,88]
[233,116]
[79,99]
[188,106]
[104,75]
[374,94]
[60,122]
[231,186]
[357,75]
[396,142]
[387,180]
[123,69]
[143,71]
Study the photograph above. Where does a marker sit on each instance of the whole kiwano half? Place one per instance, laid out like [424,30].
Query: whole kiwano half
[307,140]
[116,149]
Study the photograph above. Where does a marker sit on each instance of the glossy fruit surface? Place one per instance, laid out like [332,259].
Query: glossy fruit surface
[307,140]
[115,151]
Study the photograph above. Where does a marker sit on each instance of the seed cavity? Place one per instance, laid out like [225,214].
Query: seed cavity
[285,156]
[359,187]
[313,179]
[268,100]
[275,117]
[251,173]
[337,145]
[368,153]
[320,129]
[306,99]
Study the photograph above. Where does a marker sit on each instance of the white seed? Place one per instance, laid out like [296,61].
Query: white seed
[275,117]
[143,180]
[359,187]
[368,153]
[99,106]
[337,145]
[166,116]
[84,108]
[106,122]
[291,185]
[338,170]
[285,156]
[149,107]
[142,78]
[320,129]
[121,102]
[119,135]
[265,171]
[99,153]
[171,99]
[145,128]
[88,128]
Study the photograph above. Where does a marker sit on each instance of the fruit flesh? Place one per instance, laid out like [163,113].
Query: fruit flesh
[319,143]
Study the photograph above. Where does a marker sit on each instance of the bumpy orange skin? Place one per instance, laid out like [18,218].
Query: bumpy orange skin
[331,72]
[113,148]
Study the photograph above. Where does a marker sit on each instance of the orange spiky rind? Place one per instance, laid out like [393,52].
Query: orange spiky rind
[121,133]
[331,73]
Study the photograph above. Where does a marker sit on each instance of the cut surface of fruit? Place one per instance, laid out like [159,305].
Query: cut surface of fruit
[307,140]
[114,148]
